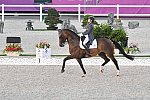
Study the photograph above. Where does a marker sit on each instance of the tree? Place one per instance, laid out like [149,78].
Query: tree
[52,19]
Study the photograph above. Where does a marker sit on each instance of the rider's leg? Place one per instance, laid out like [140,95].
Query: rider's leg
[87,46]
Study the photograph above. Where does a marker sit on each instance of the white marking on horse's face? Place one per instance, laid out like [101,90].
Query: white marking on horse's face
[59,32]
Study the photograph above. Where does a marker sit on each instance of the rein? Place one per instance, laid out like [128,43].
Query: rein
[72,40]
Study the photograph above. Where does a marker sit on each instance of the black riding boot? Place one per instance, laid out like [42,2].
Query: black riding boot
[87,48]
[88,51]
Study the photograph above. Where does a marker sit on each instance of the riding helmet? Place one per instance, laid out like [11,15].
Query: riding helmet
[91,18]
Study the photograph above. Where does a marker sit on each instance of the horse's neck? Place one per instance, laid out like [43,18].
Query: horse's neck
[73,40]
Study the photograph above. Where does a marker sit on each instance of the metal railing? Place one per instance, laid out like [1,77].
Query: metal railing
[75,6]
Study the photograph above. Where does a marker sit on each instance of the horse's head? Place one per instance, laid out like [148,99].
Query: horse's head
[62,38]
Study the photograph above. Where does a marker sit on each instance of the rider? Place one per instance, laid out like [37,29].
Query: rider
[89,32]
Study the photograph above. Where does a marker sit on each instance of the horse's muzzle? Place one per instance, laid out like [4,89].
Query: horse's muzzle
[62,45]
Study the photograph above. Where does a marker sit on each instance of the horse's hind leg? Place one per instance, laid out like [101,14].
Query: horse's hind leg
[81,65]
[103,55]
[64,61]
[116,64]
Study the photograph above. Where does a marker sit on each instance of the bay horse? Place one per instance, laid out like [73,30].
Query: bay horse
[105,49]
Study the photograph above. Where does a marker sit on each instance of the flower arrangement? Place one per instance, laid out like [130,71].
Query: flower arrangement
[43,44]
[13,47]
[133,45]
[43,50]
[133,48]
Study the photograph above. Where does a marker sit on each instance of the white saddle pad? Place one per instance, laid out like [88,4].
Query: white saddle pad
[94,44]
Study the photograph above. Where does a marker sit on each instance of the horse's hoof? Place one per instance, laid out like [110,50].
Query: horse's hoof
[83,75]
[62,71]
[101,69]
[118,73]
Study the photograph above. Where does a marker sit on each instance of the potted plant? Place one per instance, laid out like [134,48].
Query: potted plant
[133,48]
[52,19]
[13,49]
[43,50]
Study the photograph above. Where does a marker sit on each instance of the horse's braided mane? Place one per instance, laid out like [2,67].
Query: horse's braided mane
[72,32]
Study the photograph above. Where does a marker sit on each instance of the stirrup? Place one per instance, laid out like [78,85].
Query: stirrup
[88,55]
[86,48]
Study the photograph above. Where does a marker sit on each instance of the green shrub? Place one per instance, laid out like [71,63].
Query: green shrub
[53,18]
[104,30]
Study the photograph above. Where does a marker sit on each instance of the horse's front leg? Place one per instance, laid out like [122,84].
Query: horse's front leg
[81,65]
[64,61]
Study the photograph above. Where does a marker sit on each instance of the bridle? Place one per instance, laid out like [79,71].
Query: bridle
[69,40]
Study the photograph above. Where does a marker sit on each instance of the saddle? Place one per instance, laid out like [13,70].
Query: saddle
[84,39]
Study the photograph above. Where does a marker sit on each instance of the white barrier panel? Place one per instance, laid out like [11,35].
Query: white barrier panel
[42,54]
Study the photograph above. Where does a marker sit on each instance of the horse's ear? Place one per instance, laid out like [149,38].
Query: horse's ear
[59,31]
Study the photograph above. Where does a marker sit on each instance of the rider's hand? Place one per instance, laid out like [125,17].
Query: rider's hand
[83,38]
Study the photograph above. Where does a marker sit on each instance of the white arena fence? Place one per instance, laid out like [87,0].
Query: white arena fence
[74,6]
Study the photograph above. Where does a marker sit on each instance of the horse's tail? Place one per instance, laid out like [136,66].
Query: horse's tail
[117,45]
